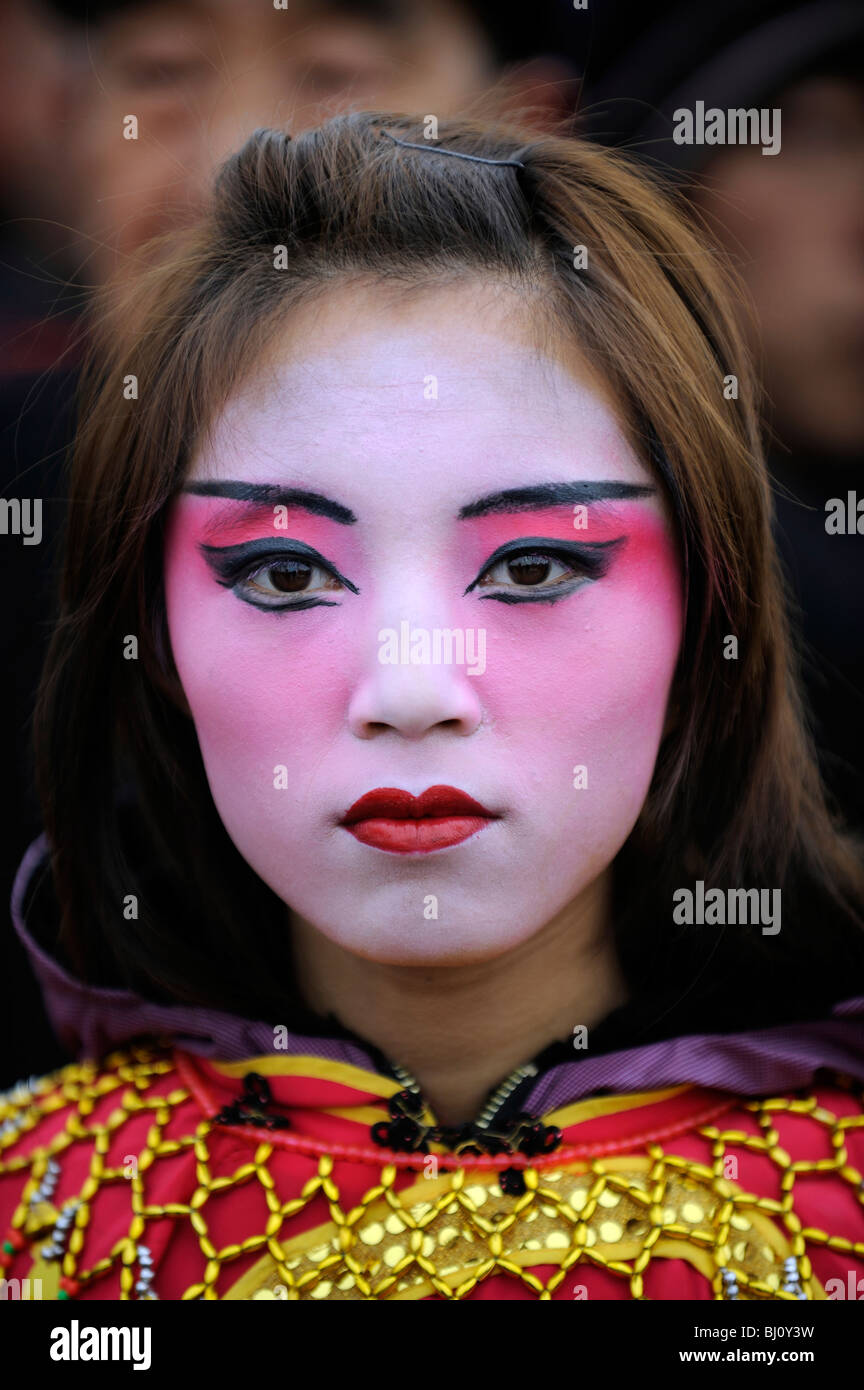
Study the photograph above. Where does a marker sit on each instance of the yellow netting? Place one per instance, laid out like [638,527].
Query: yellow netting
[441,1234]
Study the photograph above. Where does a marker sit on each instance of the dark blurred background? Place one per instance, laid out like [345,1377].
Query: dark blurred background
[80,201]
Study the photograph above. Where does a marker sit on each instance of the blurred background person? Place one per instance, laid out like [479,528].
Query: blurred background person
[792,225]
[38,75]
[198,76]
[39,302]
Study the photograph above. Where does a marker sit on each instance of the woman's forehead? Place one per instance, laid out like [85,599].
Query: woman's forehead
[446,395]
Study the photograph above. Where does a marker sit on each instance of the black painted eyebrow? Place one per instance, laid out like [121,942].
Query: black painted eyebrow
[522,499]
[276,496]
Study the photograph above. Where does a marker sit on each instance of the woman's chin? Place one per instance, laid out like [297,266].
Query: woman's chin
[467,937]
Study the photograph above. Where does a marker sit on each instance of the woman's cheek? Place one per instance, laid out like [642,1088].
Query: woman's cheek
[265,712]
[254,680]
[256,693]
[585,682]
[618,641]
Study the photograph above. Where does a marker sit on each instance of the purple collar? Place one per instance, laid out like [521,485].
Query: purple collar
[90,1021]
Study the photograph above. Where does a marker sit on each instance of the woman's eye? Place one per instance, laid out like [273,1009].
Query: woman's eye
[284,577]
[334,77]
[162,72]
[535,570]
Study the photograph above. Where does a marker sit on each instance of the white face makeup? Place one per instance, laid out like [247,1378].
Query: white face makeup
[419,553]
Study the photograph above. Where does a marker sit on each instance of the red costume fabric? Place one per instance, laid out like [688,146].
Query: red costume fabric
[137,1177]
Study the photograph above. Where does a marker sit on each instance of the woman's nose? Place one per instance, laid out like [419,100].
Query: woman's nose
[418,681]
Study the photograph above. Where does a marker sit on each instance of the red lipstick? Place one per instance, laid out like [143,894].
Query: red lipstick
[392,819]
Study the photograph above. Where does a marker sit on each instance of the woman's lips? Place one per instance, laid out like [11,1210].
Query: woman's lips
[392,819]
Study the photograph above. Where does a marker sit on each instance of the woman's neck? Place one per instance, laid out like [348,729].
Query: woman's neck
[461,1029]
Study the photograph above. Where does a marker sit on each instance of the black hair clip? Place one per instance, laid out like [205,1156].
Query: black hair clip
[455,154]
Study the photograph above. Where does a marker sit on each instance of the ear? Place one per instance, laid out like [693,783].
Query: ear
[542,92]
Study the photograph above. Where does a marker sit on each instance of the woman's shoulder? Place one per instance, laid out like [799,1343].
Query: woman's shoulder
[66,1136]
[28,1108]
[36,1111]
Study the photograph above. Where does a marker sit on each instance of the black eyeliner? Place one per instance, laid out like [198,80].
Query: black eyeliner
[229,562]
[538,595]
[595,557]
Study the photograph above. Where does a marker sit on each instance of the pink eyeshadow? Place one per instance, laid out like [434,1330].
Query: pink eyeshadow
[218,521]
[646,532]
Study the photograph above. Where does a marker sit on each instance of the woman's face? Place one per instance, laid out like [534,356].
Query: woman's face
[417,552]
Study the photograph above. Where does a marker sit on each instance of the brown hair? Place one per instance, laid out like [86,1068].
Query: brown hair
[736,797]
